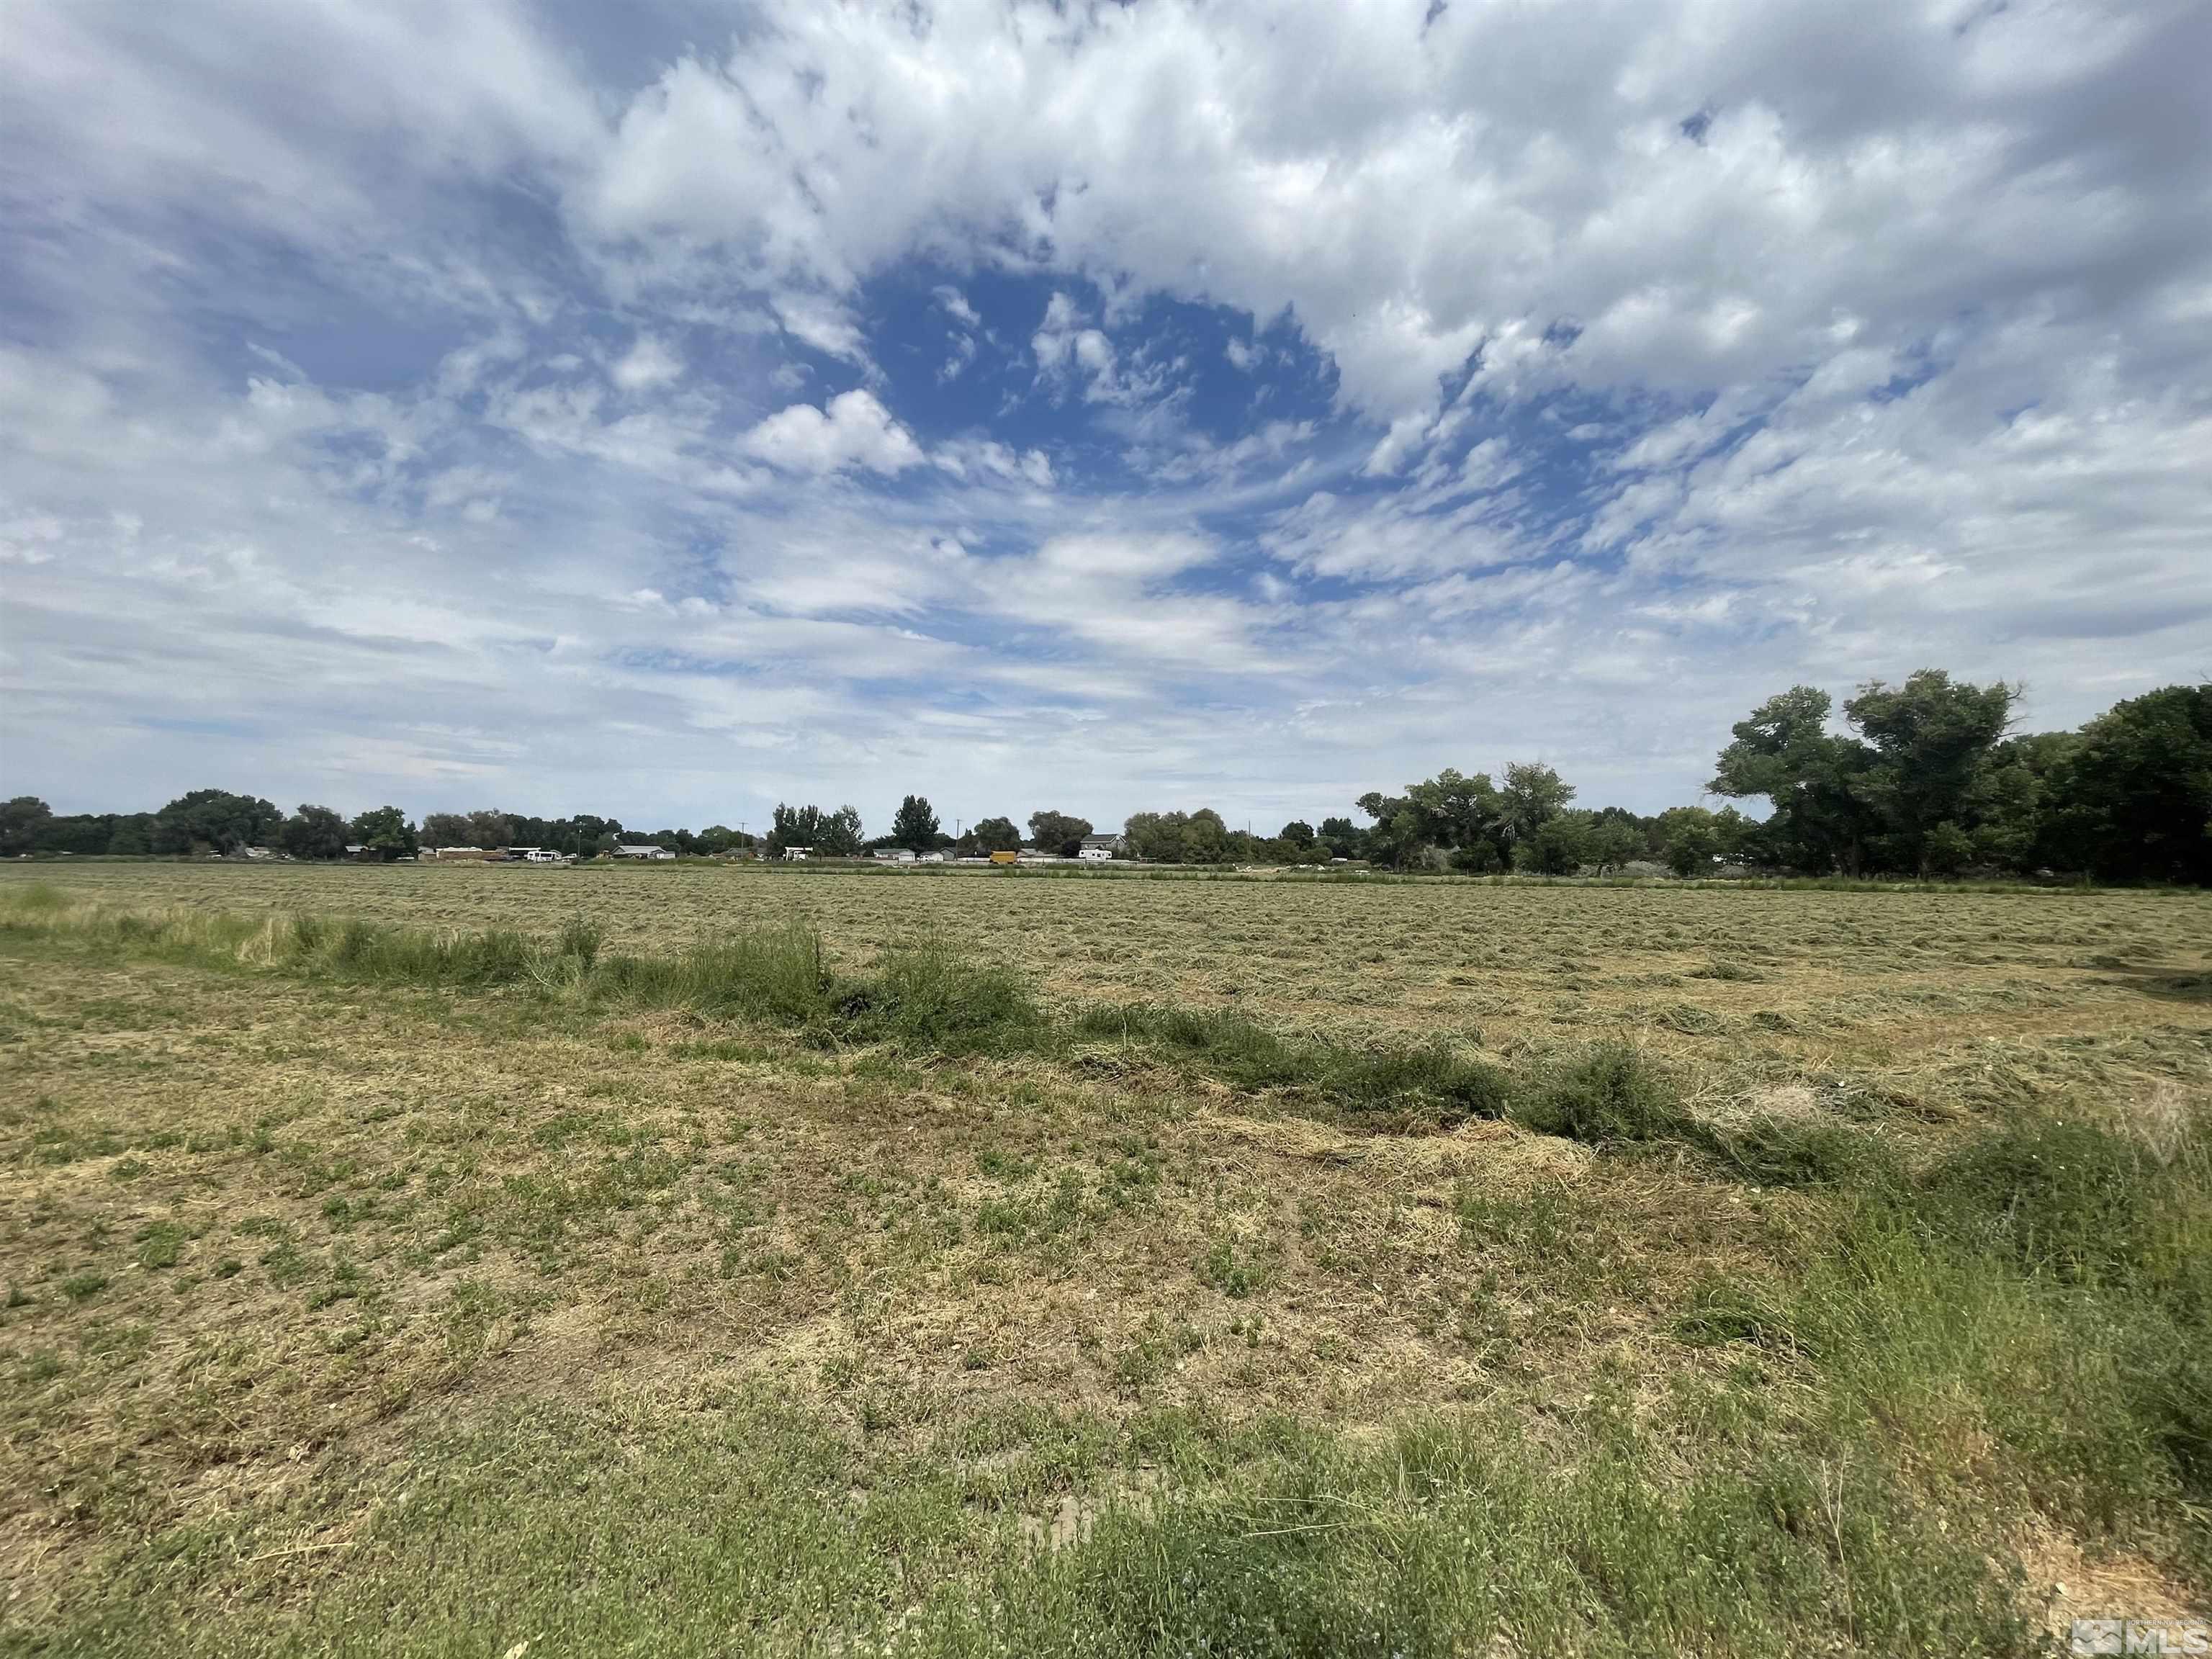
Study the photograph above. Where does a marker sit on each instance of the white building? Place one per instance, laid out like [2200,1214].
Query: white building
[1097,848]
[894,855]
[647,851]
[797,855]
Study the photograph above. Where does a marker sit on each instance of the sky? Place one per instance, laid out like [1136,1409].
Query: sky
[665,411]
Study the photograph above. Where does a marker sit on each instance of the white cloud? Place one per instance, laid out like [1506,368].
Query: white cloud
[854,430]
[956,303]
[1899,359]
[1067,349]
[648,364]
[824,324]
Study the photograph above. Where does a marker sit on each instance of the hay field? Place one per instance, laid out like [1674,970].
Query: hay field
[1811,1271]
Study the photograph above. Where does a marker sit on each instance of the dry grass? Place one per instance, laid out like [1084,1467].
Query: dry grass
[265,1241]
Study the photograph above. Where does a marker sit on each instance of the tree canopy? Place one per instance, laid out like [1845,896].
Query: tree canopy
[914,825]
[1058,833]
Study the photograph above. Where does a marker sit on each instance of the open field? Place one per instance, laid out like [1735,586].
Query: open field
[962,1263]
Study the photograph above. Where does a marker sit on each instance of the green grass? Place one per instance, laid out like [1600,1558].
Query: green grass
[567,1301]
[1610,1093]
[1401,1083]
[2045,1291]
[752,1525]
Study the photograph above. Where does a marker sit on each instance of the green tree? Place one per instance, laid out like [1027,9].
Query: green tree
[1534,794]
[1933,740]
[1456,810]
[793,826]
[832,834]
[998,835]
[914,826]
[1691,849]
[2133,800]
[1402,834]
[314,832]
[22,820]
[1343,838]
[133,835]
[1558,846]
[1058,833]
[1205,838]
[385,831]
[216,819]
[1785,753]
[1614,840]
[719,838]
[1297,833]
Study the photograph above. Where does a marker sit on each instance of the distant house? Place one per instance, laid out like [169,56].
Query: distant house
[893,855]
[1097,848]
[646,851]
[931,858]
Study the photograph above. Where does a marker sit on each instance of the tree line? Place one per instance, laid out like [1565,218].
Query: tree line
[1926,779]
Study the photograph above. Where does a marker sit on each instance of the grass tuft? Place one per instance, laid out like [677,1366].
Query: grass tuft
[1611,1092]
[929,998]
[1426,1082]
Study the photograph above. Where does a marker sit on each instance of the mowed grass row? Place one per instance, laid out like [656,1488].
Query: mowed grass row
[1953,1342]
[925,998]
[929,1000]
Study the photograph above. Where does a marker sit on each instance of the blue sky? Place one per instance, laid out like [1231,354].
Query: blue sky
[1086,407]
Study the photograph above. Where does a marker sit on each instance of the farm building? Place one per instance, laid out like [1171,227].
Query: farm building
[1096,847]
[797,854]
[892,855]
[648,850]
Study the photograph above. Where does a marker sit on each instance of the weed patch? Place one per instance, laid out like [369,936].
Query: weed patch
[1611,1093]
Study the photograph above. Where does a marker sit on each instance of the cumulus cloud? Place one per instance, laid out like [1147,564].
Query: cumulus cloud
[854,430]
[1461,175]
[1531,380]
